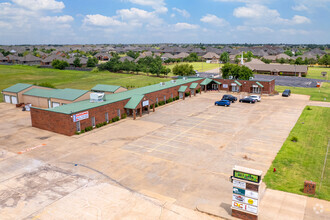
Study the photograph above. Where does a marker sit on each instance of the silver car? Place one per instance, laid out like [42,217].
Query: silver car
[255,97]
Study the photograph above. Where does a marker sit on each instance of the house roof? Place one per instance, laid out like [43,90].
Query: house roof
[112,98]
[206,81]
[255,61]
[183,89]
[211,55]
[134,101]
[30,58]
[278,67]
[122,59]
[65,94]
[182,55]
[17,87]
[105,88]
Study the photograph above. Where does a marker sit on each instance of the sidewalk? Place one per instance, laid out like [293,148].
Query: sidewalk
[321,104]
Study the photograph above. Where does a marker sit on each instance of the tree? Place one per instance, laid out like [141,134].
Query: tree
[289,53]
[59,64]
[191,58]
[76,62]
[132,54]
[183,70]
[224,57]
[91,62]
[325,60]
[267,61]
[299,61]
[237,72]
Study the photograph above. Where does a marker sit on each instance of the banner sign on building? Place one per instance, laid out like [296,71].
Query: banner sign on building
[145,103]
[246,176]
[225,86]
[80,116]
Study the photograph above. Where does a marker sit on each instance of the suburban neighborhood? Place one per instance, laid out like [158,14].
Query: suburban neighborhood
[164,110]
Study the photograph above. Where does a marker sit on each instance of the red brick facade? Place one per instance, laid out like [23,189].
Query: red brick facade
[64,124]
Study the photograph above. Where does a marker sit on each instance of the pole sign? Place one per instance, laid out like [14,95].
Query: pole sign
[80,116]
[246,176]
[246,187]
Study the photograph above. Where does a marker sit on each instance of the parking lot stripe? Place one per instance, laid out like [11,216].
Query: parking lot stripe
[152,149]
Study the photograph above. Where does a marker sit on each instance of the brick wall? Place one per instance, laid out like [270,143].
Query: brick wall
[269,87]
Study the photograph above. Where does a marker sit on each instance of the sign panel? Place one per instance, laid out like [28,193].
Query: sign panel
[239,205]
[239,184]
[80,116]
[246,200]
[246,176]
[252,209]
[239,191]
[225,86]
[238,198]
[251,194]
[145,103]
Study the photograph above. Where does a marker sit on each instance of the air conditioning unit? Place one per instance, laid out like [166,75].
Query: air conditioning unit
[184,78]
[162,84]
[173,81]
[230,77]
[97,97]
[251,78]
[212,76]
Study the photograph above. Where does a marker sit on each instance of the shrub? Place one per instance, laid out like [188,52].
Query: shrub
[177,98]
[169,100]
[309,108]
[77,133]
[59,64]
[198,90]
[88,128]
[95,70]
[123,116]
[115,119]
[156,105]
[82,131]
[294,139]
[151,106]
[104,123]
[45,84]
[187,94]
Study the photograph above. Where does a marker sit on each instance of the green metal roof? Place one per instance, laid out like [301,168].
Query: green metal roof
[219,83]
[116,97]
[105,88]
[65,94]
[206,81]
[183,89]
[193,85]
[238,83]
[260,84]
[134,101]
[17,87]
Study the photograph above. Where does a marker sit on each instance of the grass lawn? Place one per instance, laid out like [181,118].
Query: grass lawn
[199,66]
[315,73]
[304,159]
[316,94]
[10,75]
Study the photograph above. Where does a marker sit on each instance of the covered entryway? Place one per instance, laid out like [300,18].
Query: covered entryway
[210,85]
[235,86]
[182,92]
[257,88]
[193,88]
[137,104]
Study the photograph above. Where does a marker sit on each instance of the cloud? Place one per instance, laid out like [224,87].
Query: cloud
[214,20]
[244,1]
[36,5]
[57,19]
[310,5]
[101,20]
[260,14]
[300,7]
[185,26]
[182,12]
[157,5]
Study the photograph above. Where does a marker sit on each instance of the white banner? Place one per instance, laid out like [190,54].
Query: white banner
[251,208]
[145,103]
[225,86]
[251,194]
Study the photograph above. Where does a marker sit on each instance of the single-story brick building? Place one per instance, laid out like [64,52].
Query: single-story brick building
[70,118]
[279,69]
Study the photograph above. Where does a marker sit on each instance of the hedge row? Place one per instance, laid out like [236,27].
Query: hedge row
[160,103]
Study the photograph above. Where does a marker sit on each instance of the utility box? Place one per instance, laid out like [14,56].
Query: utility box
[309,187]
[246,193]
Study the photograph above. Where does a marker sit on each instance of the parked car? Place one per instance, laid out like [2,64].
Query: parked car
[229,98]
[256,97]
[286,93]
[248,100]
[222,103]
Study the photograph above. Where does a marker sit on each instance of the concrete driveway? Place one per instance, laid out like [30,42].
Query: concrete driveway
[171,161]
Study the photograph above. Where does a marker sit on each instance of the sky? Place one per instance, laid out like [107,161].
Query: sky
[164,21]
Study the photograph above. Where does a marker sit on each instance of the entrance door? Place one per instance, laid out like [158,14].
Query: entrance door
[234,88]
[181,95]
[78,126]
[256,90]
[7,99]
[14,99]
[214,86]
[192,92]
[93,121]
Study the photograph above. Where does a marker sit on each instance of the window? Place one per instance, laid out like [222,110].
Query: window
[78,126]
[118,113]
[93,121]
[165,98]
[157,100]
[172,95]
[107,117]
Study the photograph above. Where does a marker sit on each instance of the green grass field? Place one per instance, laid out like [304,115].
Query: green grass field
[304,159]
[315,73]
[199,66]
[10,75]
[316,94]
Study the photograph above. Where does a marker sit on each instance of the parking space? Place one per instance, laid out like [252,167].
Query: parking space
[182,154]
[291,81]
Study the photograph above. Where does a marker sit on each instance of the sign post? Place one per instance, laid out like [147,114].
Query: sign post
[246,193]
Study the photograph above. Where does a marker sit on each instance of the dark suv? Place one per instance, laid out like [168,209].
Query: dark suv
[229,98]
[286,93]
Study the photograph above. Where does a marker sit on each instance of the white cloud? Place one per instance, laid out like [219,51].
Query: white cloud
[100,20]
[259,14]
[182,12]
[158,5]
[300,7]
[214,20]
[35,5]
[185,26]
[259,30]
[57,19]
[139,16]
[310,5]
[244,1]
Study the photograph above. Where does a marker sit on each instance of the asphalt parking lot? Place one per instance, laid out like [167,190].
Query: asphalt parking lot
[164,164]
[291,80]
